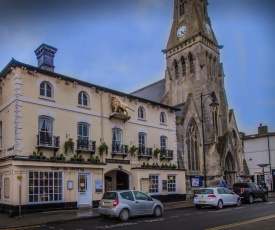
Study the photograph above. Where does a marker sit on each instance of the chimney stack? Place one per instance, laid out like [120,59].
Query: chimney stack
[262,129]
[45,56]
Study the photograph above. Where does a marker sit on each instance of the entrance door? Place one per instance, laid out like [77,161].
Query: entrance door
[84,189]
[122,180]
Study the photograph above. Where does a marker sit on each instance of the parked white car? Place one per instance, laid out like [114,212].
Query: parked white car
[216,197]
[127,203]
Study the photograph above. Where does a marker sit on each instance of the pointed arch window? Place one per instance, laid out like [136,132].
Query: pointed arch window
[193,147]
[83,99]
[183,66]
[215,120]
[181,8]
[176,69]
[192,63]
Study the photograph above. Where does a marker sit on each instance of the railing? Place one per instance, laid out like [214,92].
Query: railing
[145,152]
[86,145]
[166,154]
[48,140]
[119,149]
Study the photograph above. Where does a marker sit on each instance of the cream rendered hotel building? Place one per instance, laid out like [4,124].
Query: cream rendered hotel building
[42,113]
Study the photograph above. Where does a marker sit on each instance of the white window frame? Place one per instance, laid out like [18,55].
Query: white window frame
[45,90]
[163,142]
[173,183]
[45,196]
[142,141]
[82,136]
[162,118]
[81,100]
[154,180]
[141,113]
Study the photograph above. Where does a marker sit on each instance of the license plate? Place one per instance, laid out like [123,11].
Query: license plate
[202,202]
[106,203]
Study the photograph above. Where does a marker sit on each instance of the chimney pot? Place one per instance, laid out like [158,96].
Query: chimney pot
[45,57]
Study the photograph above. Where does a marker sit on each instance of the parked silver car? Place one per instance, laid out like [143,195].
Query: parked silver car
[126,203]
[217,197]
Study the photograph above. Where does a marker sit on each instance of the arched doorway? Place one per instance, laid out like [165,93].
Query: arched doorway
[117,180]
[229,170]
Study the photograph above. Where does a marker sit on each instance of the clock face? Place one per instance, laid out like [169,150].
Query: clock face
[208,28]
[181,31]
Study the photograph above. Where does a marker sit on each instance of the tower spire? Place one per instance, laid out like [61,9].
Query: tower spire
[190,21]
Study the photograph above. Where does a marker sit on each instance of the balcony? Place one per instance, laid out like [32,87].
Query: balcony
[119,150]
[145,152]
[86,146]
[47,140]
[166,154]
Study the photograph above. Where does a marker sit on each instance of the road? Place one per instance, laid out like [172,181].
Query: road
[259,215]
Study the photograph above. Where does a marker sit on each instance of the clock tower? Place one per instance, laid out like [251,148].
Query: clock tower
[209,145]
[208,142]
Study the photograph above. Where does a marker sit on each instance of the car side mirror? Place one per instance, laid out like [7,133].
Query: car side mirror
[150,198]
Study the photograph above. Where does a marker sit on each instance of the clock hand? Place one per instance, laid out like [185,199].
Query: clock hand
[182,32]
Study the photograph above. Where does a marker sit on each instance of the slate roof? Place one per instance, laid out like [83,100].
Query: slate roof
[153,92]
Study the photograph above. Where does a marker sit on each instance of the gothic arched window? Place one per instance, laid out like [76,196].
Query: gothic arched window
[183,66]
[193,147]
[176,69]
[181,7]
[191,63]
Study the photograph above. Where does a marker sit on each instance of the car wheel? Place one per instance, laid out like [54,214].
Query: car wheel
[250,199]
[198,206]
[157,211]
[239,202]
[265,198]
[219,205]
[124,215]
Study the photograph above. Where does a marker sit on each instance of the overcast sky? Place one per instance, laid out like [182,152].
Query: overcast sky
[117,44]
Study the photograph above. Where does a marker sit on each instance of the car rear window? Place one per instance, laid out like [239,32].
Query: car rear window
[110,196]
[205,191]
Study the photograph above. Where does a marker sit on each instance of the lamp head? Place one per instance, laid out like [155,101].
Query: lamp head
[214,102]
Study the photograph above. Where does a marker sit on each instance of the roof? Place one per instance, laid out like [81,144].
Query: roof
[254,136]
[14,63]
[153,92]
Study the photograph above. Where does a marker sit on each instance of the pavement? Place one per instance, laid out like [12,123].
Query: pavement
[83,212]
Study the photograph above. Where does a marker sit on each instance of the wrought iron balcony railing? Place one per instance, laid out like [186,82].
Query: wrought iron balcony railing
[166,154]
[86,145]
[145,152]
[48,140]
[119,150]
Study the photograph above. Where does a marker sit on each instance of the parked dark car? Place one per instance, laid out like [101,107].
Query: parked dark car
[249,191]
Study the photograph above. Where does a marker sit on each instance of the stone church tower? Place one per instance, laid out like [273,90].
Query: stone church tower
[194,80]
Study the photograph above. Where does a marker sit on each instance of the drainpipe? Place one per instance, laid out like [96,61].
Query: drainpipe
[101,117]
[269,157]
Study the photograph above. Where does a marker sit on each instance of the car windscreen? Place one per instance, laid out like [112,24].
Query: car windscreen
[110,196]
[205,191]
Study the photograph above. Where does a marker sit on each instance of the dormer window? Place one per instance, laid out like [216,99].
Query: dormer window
[181,7]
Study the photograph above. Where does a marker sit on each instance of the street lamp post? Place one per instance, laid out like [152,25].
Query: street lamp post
[213,104]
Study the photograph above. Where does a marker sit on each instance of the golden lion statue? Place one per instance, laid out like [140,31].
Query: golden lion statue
[118,107]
